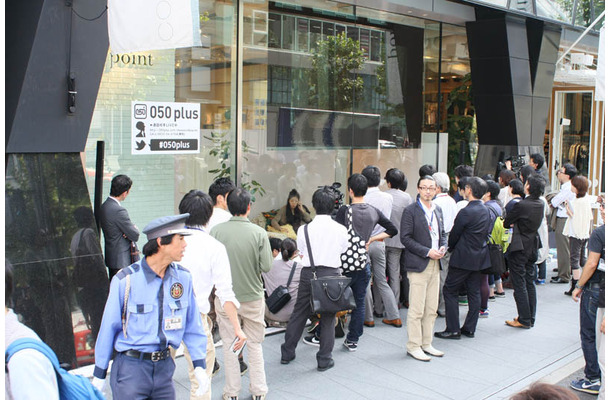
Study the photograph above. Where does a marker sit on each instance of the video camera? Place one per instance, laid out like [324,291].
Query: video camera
[517,162]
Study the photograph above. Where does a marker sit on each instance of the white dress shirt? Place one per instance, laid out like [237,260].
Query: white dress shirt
[381,201]
[206,258]
[328,240]
[218,217]
[432,223]
[449,208]
[565,194]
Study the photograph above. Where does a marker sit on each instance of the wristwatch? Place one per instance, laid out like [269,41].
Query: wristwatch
[577,286]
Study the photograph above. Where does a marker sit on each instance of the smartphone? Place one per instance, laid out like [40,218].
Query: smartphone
[237,352]
[442,249]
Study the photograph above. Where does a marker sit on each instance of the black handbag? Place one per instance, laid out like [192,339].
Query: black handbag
[496,256]
[329,294]
[280,296]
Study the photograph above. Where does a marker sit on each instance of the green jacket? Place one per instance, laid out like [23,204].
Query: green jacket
[249,253]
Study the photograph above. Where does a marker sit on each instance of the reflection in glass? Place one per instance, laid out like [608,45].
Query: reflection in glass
[525,6]
[61,283]
[587,10]
[555,9]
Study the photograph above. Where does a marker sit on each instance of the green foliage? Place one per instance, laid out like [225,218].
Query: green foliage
[222,151]
[461,124]
[334,84]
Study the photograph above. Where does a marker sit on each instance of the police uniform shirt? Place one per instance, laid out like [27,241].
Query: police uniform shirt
[162,312]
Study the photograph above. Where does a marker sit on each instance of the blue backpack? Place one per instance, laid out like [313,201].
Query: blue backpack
[70,386]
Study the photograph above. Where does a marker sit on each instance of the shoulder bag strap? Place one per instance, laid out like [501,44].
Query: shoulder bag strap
[313,264]
[294,266]
[125,316]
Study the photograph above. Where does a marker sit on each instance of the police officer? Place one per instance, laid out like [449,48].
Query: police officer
[151,306]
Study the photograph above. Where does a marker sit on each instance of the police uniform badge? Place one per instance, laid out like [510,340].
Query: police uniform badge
[176,290]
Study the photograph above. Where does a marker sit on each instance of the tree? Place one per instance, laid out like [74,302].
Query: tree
[334,84]
[461,124]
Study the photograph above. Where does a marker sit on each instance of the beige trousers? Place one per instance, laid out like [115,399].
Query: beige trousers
[252,318]
[423,303]
[209,360]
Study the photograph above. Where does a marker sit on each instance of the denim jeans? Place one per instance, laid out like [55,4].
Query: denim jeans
[588,314]
[360,281]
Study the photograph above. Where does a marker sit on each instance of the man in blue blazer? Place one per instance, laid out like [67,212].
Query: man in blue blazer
[425,241]
[469,255]
[118,229]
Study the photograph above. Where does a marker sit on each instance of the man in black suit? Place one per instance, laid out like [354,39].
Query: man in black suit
[118,229]
[425,241]
[470,255]
[525,218]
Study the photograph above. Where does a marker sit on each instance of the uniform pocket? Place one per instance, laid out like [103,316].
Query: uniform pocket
[142,320]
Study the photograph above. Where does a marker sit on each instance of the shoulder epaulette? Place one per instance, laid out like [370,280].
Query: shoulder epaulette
[128,271]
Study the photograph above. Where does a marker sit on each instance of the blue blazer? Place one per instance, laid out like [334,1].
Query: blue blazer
[468,238]
[415,236]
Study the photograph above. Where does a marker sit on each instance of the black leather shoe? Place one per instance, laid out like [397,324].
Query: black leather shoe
[377,315]
[286,361]
[331,364]
[466,333]
[447,335]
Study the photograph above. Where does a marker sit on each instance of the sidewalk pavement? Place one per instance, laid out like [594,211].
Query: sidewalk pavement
[497,363]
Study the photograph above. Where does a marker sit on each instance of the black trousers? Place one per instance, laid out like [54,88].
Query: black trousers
[522,276]
[455,279]
[302,311]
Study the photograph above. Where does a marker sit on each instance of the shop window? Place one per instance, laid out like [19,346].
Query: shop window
[302,34]
[288,32]
[275,30]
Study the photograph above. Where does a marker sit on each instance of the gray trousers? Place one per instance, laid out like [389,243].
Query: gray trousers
[443,277]
[384,297]
[563,250]
[392,255]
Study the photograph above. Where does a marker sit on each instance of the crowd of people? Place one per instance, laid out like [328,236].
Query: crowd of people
[211,266]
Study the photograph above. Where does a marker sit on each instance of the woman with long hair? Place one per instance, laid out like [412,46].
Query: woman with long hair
[294,213]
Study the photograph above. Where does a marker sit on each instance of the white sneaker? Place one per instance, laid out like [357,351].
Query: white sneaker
[432,351]
[419,355]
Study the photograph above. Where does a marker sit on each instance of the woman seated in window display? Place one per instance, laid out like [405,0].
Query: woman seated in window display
[279,275]
[291,216]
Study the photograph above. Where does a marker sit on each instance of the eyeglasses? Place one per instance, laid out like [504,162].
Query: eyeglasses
[560,172]
[427,188]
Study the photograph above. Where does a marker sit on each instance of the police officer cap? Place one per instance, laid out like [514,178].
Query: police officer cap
[164,226]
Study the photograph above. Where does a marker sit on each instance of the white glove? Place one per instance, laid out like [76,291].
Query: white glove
[203,380]
[99,384]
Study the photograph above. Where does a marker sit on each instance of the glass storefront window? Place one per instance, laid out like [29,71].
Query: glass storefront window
[200,75]
[573,130]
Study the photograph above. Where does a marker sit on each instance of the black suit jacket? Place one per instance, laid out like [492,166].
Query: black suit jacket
[468,238]
[415,236]
[526,216]
[116,223]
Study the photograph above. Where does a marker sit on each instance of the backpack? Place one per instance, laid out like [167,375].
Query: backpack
[500,235]
[70,386]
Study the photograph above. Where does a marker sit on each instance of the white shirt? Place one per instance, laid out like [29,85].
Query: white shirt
[207,260]
[565,194]
[30,373]
[328,240]
[218,217]
[460,205]
[504,196]
[382,201]
[432,223]
[449,208]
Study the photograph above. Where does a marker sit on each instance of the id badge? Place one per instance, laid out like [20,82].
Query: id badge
[173,323]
